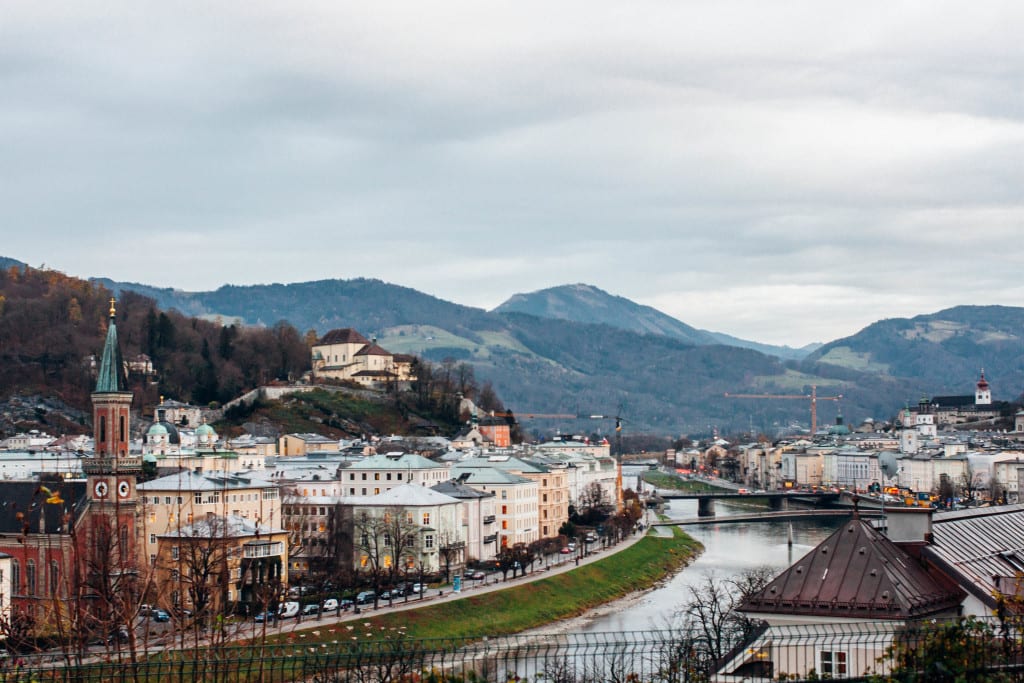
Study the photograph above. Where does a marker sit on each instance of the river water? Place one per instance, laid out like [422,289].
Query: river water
[729,549]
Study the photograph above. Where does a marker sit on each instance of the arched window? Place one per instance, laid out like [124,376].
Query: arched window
[16,577]
[54,577]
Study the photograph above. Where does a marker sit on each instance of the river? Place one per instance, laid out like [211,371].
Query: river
[728,550]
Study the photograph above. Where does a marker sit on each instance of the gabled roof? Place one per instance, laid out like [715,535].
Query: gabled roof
[406,494]
[456,490]
[343,336]
[488,475]
[856,573]
[372,349]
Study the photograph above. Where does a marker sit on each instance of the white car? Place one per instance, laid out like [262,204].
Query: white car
[288,610]
[330,605]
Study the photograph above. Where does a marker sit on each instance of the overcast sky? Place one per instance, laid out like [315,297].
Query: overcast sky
[786,172]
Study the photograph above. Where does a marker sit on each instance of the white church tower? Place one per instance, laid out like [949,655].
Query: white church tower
[982,393]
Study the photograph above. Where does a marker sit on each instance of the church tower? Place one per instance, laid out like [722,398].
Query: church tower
[982,392]
[111,472]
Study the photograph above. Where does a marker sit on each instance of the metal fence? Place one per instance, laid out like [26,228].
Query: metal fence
[926,652]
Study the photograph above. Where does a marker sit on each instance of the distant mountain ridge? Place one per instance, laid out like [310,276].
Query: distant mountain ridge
[577,349]
[588,304]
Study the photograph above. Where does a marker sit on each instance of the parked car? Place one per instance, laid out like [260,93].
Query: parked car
[478,575]
[312,608]
[417,587]
[365,598]
[159,615]
[288,610]
[565,550]
[345,604]
[743,492]
[385,595]
[269,615]
[331,605]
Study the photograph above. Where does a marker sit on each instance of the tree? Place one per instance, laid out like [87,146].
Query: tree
[711,618]
[202,568]
[450,549]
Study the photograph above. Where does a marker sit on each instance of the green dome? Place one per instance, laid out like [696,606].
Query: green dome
[157,430]
[204,430]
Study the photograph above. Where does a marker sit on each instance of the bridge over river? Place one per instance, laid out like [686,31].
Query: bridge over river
[783,516]
[777,500]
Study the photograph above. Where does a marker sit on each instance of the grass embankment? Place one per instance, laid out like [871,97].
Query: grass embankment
[672,481]
[519,608]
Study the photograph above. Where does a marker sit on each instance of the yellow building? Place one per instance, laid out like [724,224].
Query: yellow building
[178,500]
[209,566]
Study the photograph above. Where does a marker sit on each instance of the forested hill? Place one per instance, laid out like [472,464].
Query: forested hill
[943,351]
[52,324]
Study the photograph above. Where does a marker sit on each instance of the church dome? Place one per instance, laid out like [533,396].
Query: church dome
[157,430]
[205,430]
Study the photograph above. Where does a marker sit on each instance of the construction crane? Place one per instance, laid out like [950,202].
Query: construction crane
[618,458]
[533,416]
[813,397]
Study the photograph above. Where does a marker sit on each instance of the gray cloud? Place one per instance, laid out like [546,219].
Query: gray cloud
[786,172]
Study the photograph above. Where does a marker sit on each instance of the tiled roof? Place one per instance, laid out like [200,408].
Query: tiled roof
[343,336]
[456,490]
[856,573]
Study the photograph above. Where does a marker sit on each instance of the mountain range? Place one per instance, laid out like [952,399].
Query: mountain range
[577,349]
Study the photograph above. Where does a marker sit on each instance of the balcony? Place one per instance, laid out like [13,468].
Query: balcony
[489,519]
[263,549]
[112,465]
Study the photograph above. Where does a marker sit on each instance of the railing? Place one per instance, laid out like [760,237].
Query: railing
[491,538]
[929,652]
[254,550]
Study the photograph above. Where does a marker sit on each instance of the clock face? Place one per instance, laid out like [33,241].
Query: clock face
[123,488]
[100,489]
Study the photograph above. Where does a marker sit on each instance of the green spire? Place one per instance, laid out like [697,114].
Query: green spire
[111,377]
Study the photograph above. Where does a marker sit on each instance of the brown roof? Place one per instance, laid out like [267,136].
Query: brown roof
[343,336]
[372,350]
[856,573]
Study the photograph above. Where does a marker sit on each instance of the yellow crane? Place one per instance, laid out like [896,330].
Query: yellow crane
[812,397]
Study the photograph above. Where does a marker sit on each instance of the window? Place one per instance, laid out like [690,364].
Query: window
[54,577]
[426,519]
[504,509]
[389,476]
[376,476]
[30,577]
[504,524]
[833,663]
[364,476]
[198,498]
[428,541]
[152,538]
[504,494]
[174,552]
[16,577]
[399,476]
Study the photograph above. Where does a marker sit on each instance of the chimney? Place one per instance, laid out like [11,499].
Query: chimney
[909,525]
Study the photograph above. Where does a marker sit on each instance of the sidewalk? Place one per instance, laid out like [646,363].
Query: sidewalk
[433,597]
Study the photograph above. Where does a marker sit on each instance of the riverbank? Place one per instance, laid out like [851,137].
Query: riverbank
[545,601]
